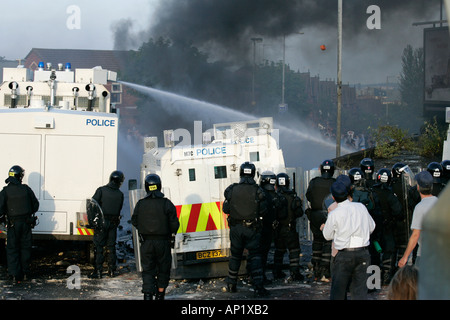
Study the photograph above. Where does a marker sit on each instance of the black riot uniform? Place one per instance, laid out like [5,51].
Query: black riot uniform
[391,211]
[110,200]
[401,225]
[245,204]
[363,192]
[267,183]
[318,190]
[18,204]
[286,235]
[155,218]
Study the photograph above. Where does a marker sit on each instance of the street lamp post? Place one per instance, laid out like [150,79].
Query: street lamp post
[284,62]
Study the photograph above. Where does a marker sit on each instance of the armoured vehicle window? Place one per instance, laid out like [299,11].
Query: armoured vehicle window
[220,172]
[191,174]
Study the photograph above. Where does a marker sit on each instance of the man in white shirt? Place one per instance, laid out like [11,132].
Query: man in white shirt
[424,186]
[349,226]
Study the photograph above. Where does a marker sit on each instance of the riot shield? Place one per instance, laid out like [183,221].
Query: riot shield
[408,183]
[307,177]
[94,214]
[408,176]
[135,195]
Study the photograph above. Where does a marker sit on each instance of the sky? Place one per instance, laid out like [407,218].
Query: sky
[51,24]
[226,27]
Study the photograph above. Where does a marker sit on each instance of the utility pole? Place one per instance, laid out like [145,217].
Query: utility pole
[339,81]
[283,75]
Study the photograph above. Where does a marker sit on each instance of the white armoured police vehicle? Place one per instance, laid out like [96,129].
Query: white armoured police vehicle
[58,126]
[194,178]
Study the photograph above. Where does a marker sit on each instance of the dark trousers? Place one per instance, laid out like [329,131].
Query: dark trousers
[156,260]
[321,248]
[388,255]
[350,269]
[321,255]
[242,237]
[287,239]
[266,242]
[18,248]
[401,241]
[106,238]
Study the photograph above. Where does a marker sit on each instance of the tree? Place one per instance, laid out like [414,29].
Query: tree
[412,78]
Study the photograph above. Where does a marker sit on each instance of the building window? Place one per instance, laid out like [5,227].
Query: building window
[116,87]
[191,174]
[116,98]
[254,156]
[220,172]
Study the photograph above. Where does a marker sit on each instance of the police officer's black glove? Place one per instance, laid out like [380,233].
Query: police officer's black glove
[172,240]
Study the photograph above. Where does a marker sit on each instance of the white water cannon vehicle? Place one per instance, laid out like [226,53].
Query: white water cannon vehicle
[59,126]
[194,178]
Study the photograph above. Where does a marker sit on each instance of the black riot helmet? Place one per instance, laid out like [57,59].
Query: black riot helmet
[355,175]
[283,181]
[446,169]
[436,171]
[327,169]
[16,172]
[396,169]
[117,177]
[152,183]
[384,176]
[268,180]
[248,169]
[367,167]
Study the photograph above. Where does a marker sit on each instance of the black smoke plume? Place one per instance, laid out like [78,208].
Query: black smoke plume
[228,25]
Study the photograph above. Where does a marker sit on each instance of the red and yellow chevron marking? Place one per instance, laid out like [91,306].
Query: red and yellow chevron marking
[201,217]
[85,232]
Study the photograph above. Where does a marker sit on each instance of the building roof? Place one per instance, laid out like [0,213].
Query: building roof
[108,59]
[6,64]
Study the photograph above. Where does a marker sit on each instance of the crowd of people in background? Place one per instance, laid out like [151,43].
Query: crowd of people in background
[350,140]
[373,218]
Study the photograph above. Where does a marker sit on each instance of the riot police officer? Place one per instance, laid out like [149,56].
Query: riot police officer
[155,218]
[401,226]
[245,205]
[363,193]
[110,200]
[391,211]
[18,204]
[318,189]
[286,235]
[356,179]
[267,182]
[367,167]
[436,171]
[445,171]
